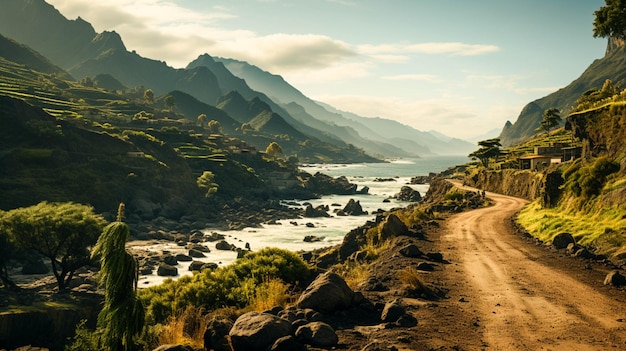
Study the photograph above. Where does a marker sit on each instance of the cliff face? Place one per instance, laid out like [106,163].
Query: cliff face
[524,184]
[612,66]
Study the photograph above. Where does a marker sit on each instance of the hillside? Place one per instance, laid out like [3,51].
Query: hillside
[612,66]
[383,132]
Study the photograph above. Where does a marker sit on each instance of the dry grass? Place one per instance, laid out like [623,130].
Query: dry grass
[410,278]
[271,293]
[185,328]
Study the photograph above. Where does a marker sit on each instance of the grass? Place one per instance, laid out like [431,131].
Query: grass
[603,229]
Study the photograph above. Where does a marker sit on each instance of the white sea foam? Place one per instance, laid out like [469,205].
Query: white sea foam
[288,235]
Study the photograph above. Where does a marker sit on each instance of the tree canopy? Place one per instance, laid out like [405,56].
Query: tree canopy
[489,148]
[273,150]
[551,119]
[61,231]
[610,20]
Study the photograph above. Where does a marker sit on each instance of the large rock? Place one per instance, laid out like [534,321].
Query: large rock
[287,343]
[223,245]
[166,270]
[319,211]
[408,194]
[327,294]
[391,227]
[392,311]
[216,334]
[561,240]
[352,208]
[615,278]
[317,334]
[254,331]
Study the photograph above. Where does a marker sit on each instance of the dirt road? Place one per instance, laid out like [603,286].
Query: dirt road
[525,297]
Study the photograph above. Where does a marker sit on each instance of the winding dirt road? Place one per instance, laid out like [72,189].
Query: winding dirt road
[521,299]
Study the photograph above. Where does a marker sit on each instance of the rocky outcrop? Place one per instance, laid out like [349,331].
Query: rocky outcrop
[408,194]
[319,211]
[352,208]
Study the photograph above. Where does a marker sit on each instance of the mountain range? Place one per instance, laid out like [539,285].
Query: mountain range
[74,46]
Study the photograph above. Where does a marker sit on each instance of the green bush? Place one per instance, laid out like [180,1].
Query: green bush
[233,285]
[589,180]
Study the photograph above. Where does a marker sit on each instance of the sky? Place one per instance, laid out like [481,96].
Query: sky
[462,68]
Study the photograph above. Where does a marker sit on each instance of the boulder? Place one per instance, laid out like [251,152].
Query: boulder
[287,343]
[169,259]
[223,245]
[561,240]
[327,294]
[425,266]
[166,270]
[392,311]
[615,278]
[198,247]
[391,227]
[195,253]
[216,334]
[408,194]
[317,334]
[319,211]
[411,251]
[257,331]
[352,208]
[173,347]
[183,258]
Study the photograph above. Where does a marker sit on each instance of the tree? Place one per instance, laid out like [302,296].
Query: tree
[207,183]
[148,96]
[202,119]
[214,127]
[551,119]
[489,148]
[122,315]
[610,20]
[170,102]
[273,150]
[60,231]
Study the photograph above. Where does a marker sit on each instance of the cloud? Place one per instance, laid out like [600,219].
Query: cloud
[449,48]
[287,52]
[418,77]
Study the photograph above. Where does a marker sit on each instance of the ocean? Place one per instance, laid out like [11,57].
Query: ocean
[289,233]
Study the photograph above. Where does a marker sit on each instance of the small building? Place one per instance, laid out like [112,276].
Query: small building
[554,149]
[537,162]
[572,153]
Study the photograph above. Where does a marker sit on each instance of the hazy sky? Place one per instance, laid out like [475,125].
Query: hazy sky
[455,66]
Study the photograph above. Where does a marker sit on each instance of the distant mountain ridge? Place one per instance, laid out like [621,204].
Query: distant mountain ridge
[612,66]
[376,129]
[75,46]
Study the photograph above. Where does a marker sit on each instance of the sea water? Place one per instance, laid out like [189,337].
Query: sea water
[290,233]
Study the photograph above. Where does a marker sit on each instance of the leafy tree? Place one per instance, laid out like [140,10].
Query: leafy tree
[148,96]
[170,102]
[551,119]
[207,182]
[610,20]
[122,316]
[60,231]
[489,148]
[214,127]
[202,119]
[273,150]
